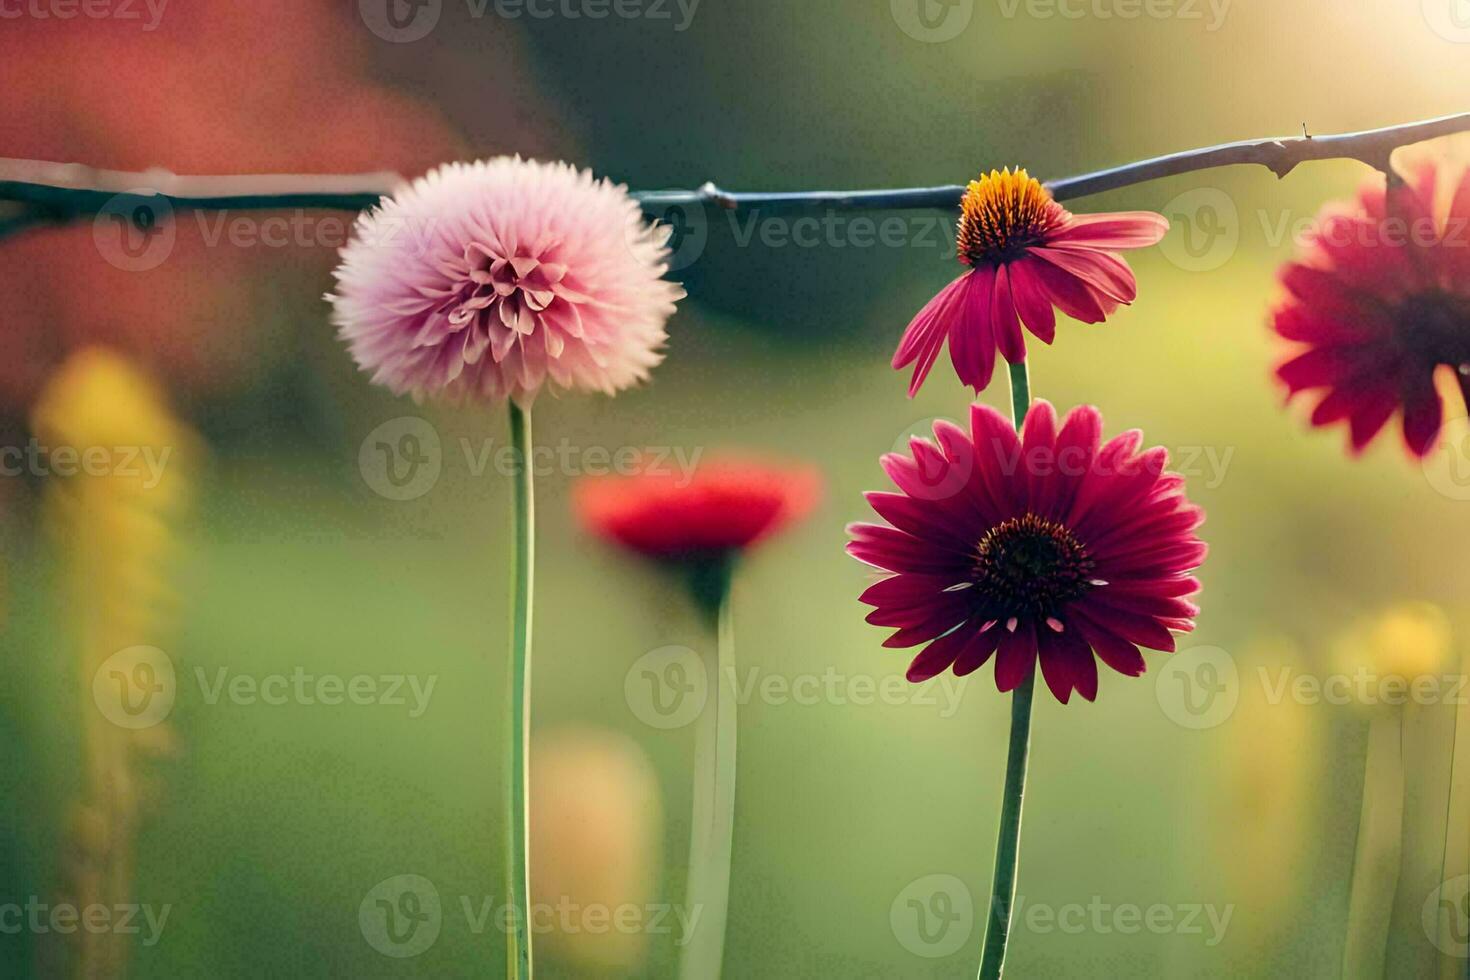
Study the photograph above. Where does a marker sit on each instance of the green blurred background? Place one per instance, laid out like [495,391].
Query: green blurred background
[268,825]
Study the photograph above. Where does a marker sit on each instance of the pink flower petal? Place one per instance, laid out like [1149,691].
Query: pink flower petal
[1103,271]
[1423,415]
[1032,302]
[1121,229]
[1004,320]
[971,339]
[1070,294]
[925,335]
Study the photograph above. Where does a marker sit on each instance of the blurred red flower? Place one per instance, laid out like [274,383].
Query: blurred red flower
[724,507]
[214,87]
[1378,302]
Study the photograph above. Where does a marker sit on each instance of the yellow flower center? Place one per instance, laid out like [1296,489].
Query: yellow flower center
[1002,214]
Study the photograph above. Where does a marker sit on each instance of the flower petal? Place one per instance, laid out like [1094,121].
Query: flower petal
[971,338]
[940,655]
[1004,319]
[1071,295]
[1103,271]
[1032,302]
[1119,229]
[1017,657]
[925,336]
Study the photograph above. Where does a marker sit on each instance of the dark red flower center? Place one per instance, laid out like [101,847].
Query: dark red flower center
[1436,328]
[1030,566]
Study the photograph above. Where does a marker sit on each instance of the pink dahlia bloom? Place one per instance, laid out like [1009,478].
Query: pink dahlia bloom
[1027,254]
[1377,303]
[1050,545]
[487,279]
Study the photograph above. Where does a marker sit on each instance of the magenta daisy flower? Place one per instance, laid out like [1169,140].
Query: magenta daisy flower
[485,280]
[1379,302]
[1052,546]
[1027,254]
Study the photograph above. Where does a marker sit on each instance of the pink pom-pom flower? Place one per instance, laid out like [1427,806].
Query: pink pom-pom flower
[485,280]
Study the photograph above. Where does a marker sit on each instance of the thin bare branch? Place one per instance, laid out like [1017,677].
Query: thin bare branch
[53,193]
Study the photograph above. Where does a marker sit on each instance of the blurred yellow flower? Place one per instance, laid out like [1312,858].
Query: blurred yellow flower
[1385,654]
[1271,762]
[115,464]
[596,824]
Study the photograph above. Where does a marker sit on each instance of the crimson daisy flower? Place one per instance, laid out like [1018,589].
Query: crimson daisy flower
[1378,301]
[1027,254]
[725,506]
[1046,545]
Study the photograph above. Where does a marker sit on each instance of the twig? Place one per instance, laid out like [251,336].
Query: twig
[55,193]
[58,193]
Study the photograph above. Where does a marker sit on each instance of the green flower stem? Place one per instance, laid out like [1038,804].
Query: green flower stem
[1378,855]
[1008,840]
[712,830]
[1020,393]
[517,841]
